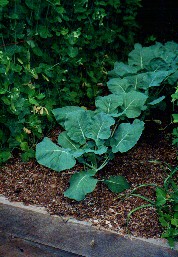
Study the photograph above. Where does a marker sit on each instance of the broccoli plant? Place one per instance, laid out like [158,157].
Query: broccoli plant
[93,137]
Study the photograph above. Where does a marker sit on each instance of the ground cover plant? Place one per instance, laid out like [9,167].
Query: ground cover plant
[55,53]
[166,205]
[175,115]
[93,137]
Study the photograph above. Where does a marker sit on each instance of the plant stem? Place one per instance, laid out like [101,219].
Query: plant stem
[103,164]
[90,166]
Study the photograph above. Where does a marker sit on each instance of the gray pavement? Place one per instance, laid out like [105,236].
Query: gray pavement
[30,234]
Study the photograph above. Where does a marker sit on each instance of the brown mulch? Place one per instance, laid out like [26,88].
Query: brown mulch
[34,184]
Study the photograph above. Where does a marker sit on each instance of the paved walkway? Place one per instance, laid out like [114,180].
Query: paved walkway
[31,234]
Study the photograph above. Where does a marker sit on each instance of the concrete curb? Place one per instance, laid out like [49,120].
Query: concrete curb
[74,236]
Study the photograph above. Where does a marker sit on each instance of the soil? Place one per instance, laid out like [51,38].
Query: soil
[32,183]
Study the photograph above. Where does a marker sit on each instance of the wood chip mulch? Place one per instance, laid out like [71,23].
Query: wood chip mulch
[32,183]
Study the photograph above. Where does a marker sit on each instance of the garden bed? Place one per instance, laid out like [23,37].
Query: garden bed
[32,183]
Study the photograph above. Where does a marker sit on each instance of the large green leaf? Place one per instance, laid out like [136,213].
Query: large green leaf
[118,85]
[66,142]
[170,52]
[155,78]
[81,183]
[121,69]
[157,64]
[109,104]
[133,103]
[100,127]
[141,56]
[148,79]
[53,156]
[60,114]
[117,184]
[126,136]
[77,125]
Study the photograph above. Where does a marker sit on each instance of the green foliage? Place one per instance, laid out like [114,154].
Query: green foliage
[117,184]
[147,69]
[88,139]
[55,53]
[93,137]
[23,107]
[166,205]
[82,183]
[71,42]
[175,116]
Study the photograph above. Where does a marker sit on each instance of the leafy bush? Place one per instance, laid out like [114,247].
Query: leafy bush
[55,53]
[71,42]
[93,137]
[23,107]
[166,204]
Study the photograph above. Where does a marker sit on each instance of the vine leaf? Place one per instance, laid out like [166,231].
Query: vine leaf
[81,183]
[53,156]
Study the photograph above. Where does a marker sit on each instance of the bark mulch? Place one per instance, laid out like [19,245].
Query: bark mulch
[32,183]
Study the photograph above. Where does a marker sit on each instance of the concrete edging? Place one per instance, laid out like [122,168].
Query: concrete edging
[75,236]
